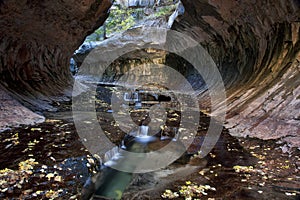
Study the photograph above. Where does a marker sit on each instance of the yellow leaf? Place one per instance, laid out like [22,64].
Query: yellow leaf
[49,176]
[58,178]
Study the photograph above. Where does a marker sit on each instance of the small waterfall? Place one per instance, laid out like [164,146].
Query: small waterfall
[143,131]
[123,145]
[111,154]
[142,135]
[118,152]
[174,131]
[176,134]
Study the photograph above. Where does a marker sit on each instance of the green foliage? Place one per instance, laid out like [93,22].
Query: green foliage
[164,11]
[119,20]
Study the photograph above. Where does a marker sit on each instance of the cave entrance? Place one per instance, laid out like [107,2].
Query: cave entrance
[123,16]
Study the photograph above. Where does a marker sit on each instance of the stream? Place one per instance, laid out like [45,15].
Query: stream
[49,161]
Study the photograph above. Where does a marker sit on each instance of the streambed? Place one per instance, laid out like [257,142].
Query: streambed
[48,161]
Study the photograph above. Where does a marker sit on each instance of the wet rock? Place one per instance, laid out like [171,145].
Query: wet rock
[73,66]
[83,51]
[179,11]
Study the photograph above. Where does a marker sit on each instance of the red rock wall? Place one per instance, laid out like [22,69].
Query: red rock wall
[256,45]
[37,40]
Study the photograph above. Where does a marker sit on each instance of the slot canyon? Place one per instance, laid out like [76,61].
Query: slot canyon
[254,44]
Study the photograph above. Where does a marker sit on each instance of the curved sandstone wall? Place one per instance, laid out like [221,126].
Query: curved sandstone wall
[254,43]
[37,40]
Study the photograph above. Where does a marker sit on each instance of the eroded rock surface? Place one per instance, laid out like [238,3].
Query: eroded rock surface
[254,43]
[256,46]
[12,113]
[37,40]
